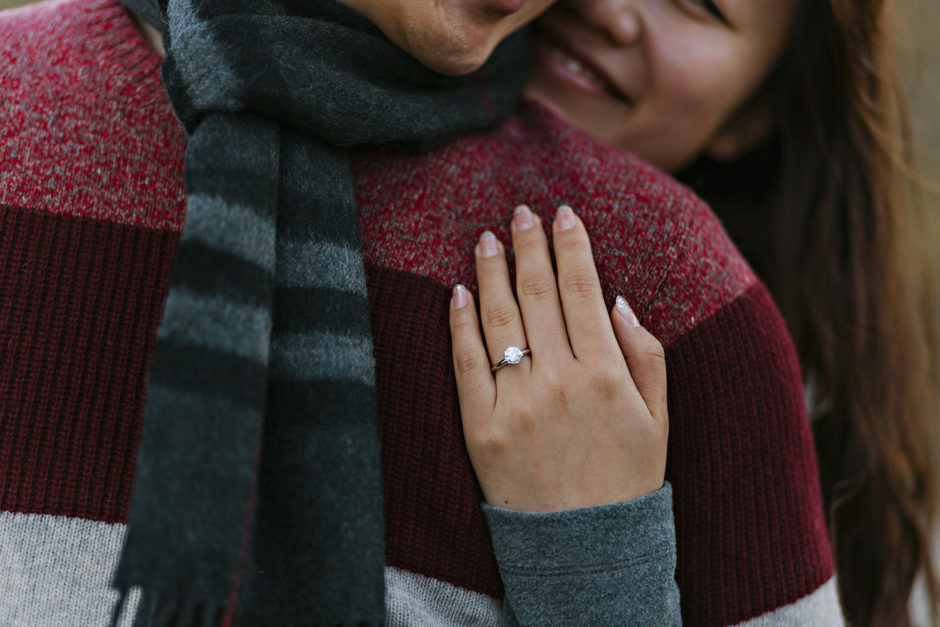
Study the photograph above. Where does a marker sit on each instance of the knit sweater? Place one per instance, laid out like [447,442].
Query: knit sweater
[91,207]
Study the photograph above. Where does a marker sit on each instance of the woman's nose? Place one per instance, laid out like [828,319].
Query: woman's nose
[620,20]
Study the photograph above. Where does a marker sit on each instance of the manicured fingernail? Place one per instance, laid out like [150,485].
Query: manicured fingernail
[564,218]
[460,296]
[488,244]
[522,218]
[624,308]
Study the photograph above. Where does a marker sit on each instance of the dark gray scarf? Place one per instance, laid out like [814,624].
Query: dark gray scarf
[259,479]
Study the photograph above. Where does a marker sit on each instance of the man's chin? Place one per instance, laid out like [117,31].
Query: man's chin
[452,57]
[457,66]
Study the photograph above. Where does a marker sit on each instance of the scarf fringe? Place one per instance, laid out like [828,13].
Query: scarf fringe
[152,611]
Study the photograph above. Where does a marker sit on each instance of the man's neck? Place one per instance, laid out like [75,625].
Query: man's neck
[151,34]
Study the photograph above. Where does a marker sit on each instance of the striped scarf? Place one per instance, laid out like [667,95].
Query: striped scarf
[258,487]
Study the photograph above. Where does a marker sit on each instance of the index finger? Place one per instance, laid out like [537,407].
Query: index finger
[586,317]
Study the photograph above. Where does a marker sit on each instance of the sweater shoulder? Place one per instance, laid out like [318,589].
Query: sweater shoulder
[655,242]
[646,229]
[737,418]
[85,126]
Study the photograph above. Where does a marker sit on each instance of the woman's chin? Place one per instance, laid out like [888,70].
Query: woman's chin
[534,94]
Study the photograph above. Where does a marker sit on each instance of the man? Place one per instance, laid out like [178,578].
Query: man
[93,204]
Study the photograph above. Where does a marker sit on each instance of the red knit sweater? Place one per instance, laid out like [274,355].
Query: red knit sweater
[92,204]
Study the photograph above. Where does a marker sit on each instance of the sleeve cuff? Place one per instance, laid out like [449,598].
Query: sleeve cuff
[606,565]
[583,539]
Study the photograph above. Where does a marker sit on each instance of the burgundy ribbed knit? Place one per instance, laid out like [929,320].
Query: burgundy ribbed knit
[434,525]
[749,523]
[79,302]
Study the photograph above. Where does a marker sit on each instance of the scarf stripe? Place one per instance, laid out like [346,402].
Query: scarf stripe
[259,476]
[324,356]
[217,323]
[323,264]
[206,270]
[208,373]
[297,309]
[231,227]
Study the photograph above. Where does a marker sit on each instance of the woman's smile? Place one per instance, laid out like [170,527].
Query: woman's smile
[575,67]
[666,79]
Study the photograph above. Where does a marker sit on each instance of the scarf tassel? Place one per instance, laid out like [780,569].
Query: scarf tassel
[151,611]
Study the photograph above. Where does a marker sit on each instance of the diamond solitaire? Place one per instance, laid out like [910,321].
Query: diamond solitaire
[513,355]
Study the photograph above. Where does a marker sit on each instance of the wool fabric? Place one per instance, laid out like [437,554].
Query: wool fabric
[262,381]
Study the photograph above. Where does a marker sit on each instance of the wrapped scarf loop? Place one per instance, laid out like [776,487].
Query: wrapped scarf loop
[258,489]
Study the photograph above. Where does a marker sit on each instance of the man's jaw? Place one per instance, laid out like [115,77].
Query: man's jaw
[150,34]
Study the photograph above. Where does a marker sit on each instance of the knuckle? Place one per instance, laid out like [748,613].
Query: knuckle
[582,283]
[657,431]
[488,442]
[653,350]
[501,314]
[461,322]
[466,362]
[662,429]
[605,382]
[557,393]
[648,349]
[553,380]
[648,361]
[537,287]
[523,420]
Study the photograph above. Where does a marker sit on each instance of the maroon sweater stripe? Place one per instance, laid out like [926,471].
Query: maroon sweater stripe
[79,303]
[434,524]
[749,525]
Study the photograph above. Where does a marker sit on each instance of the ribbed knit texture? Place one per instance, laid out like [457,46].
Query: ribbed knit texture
[90,209]
[748,495]
[77,311]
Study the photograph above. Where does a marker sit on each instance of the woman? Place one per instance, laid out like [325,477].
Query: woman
[794,141]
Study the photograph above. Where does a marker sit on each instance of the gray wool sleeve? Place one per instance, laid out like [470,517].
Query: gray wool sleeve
[607,565]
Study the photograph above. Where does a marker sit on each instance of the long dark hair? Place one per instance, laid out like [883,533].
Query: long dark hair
[821,213]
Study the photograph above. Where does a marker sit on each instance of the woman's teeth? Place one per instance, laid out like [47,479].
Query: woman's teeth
[576,67]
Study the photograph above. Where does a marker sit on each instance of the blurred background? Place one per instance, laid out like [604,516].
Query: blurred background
[919,55]
[917,33]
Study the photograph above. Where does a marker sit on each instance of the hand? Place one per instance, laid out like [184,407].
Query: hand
[582,420]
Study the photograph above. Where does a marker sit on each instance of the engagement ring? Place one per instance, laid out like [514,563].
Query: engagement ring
[511,356]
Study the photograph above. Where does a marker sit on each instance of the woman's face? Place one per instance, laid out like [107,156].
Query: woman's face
[666,79]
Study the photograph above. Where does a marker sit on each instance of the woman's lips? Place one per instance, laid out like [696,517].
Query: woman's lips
[575,71]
